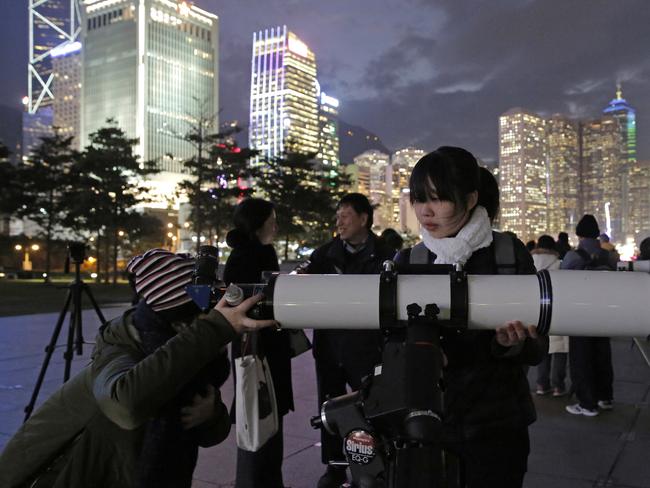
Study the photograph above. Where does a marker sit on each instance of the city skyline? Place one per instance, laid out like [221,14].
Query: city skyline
[412,80]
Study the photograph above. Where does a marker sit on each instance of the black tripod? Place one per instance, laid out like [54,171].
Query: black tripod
[75,333]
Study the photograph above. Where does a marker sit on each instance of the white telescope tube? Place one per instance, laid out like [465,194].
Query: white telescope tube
[582,303]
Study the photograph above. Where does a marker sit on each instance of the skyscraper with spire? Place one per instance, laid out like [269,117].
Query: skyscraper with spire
[626,116]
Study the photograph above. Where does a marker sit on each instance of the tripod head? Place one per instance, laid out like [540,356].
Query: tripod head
[76,254]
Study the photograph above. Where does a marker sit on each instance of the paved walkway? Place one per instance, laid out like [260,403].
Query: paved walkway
[611,450]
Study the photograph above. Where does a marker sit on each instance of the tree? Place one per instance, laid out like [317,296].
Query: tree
[48,187]
[111,176]
[217,170]
[10,199]
[304,193]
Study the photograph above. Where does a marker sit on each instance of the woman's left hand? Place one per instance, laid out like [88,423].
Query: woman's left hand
[514,332]
[201,409]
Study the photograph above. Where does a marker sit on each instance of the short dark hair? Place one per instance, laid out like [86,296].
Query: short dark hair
[250,215]
[453,172]
[392,239]
[563,237]
[644,249]
[488,195]
[359,203]
[546,242]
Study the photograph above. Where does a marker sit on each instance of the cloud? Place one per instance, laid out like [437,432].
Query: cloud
[546,55]
[427,72]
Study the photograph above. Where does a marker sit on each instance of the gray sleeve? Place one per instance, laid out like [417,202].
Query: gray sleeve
[572,260]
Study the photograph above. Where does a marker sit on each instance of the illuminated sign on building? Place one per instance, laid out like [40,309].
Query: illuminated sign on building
[64,49]
[327,100]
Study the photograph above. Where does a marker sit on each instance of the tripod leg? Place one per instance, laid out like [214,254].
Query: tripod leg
[79,339]
[69,348]
[642,350]
[49,349]
[94,302]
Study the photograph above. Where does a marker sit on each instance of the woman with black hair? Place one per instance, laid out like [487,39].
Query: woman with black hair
[487,403]
[252,253]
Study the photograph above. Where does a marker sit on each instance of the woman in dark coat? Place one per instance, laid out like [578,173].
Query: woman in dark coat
[487,402]
[252,254]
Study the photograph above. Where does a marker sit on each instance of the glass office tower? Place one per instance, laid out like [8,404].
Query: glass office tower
[523,173]
[152,66]
[284,105]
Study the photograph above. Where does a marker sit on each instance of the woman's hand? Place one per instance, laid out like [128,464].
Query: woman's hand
[237,317]
[514,332]
[201,409]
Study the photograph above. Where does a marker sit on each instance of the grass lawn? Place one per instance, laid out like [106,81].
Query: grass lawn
[20,297]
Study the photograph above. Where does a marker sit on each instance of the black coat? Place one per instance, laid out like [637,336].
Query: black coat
[487,390]
[247,261]
[348,347]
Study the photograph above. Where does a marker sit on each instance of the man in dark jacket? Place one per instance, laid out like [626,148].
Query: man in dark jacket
[590,358]
[346,356]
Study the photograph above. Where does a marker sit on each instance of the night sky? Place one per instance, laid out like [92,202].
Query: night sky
[428,72]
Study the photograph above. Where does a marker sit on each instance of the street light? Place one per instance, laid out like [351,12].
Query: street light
[27,264]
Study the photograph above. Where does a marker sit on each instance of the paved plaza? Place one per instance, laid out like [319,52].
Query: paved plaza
[611,450]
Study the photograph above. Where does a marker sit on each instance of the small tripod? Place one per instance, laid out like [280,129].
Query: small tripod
[75,339]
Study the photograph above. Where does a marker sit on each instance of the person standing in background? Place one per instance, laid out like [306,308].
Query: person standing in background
[252,253]
[551,372]
[590,360]
[345,357]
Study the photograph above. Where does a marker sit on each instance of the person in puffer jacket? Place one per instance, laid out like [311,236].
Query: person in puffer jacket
[551,372]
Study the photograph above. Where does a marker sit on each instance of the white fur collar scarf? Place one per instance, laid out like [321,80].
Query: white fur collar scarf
[475,234]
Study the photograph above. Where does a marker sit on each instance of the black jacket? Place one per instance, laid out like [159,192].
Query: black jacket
[347,347]
[487,390]
[245,265]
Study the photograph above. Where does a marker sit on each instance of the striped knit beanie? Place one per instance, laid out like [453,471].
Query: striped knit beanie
[161,277]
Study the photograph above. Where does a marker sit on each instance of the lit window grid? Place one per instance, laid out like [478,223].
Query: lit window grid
[284,105]
[176,69]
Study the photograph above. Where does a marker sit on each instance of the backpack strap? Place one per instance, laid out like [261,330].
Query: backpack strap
[419,254]
[504,253]
[586,257]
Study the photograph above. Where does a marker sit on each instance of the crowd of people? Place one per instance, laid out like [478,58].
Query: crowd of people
[136,416]
[589,358]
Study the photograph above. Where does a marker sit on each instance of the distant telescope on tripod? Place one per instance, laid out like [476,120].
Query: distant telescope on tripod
[72,304]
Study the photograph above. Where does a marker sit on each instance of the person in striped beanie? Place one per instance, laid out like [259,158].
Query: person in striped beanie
[160,278]
[136,415]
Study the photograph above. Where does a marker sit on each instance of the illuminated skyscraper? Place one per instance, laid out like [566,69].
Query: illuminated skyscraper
[284,105]
[151,65]
[328,132]
[563,170]
[66,62]
[626,116]
[523,173]
[372,181]
[639,200]
[407,157]
[397,180]
[52,23]
[602,156]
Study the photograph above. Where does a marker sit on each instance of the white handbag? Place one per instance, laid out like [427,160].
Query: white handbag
[256,411]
